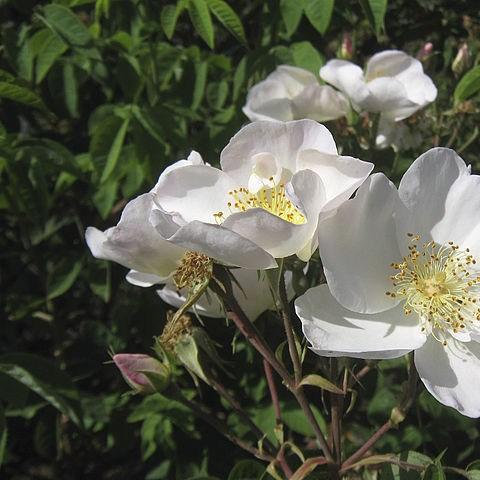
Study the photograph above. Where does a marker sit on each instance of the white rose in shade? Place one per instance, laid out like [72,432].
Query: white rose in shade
[402,276]
[265,202]
[398,135]
[393,84]
[135,244]
[291,93]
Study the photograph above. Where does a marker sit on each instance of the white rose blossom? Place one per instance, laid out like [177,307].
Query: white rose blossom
[135,244]
[401,276]
[276,180]
[393,84]
[291,93]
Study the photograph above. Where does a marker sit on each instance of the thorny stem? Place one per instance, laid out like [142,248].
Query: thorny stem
[402,409]
[203,413]
[254,337]
[273,390]
[288,325]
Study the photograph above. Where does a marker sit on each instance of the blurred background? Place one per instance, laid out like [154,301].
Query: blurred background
[96,98]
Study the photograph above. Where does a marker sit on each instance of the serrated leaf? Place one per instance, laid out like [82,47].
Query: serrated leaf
[115,150]
[244,469]
[319,13]
[468,85]
[169,16]
[62,278]
[51,49]
[318,381]
[21,94]
[292,12]
[63,21]
[228,18]
[201,20]
[45,379]
[375,11]
[201,72]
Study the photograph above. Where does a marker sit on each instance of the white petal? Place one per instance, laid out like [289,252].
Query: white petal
[389,96]
[347,77]
[294,79]
[215,241]
[358,244]
[194,158]
[144,279]
[396,134]
[320,103]
[268,100]
[194,192]
[335,331]
[279,237]
[440,196]
[452,373]
[391,63]
[282,140]
[340,175]
[134,243]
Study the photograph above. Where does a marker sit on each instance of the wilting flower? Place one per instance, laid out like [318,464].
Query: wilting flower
[265,202]
[143,373]
[135,244]
[402,275]
[393,84]
[291,93]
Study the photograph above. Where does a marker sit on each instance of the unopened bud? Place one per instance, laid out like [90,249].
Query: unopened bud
[346,50]
[143,373]
[461,61]
[397,416]
[425,52]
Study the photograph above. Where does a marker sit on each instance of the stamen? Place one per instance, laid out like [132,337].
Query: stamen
[439,283]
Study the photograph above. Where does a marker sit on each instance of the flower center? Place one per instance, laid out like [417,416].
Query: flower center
[271,198]
[194,269]
[440,284]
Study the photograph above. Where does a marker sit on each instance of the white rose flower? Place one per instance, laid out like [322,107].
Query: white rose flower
[402,276]
[265,202]
[135,244]
[393,84]
[290,93]
[397,134]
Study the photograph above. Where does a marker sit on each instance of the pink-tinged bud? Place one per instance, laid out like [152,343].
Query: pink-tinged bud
[462,60]
[143,373]
[425,51]
[346,50]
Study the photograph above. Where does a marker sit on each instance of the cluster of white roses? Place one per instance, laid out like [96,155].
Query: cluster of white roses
[400,264]
[393,85]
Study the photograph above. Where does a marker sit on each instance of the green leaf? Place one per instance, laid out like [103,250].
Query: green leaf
[105,197]
[115,150]
[21,94]
[244,469]
[319,13]
[468,85]
[321,382]
[434,472]
[228,18]
[305,55]
[169,16]
[471,474]
[70,89]
[3,434]
[202,21]
[63,277]
[63,21]
[45,379]
[291,11]
[50,50]
[201,72]
[375,11]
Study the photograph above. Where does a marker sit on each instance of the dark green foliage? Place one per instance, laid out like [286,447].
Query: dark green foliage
[96,98]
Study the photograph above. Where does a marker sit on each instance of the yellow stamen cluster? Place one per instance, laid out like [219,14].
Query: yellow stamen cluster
[271,198]
[174,329]
[195,268]
[439,283]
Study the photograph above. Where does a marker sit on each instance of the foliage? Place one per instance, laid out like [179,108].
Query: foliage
[96,98]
